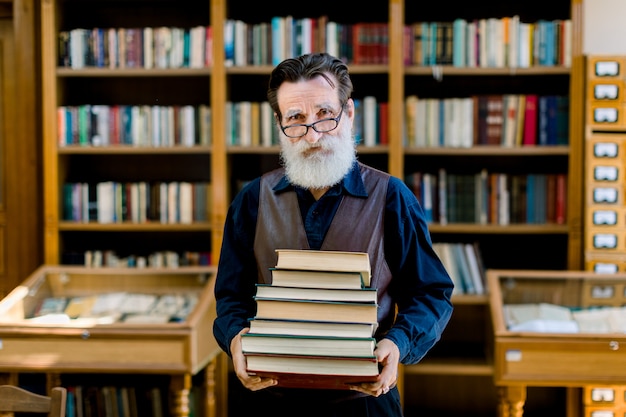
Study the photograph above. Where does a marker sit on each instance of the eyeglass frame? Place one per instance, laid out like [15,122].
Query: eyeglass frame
[312,125]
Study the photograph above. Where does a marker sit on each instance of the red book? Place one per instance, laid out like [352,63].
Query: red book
[360,43]
[114,125]
[480,120]
[382,44]
[561,198]
[208,47]
[314,372]
[383,125]
[529,137]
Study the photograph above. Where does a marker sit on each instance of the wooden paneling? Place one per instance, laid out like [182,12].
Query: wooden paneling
[20,250]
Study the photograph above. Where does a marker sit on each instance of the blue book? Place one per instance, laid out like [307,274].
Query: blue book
[432,44]
[551,46]
[425,44]
[70,403]
[278,39]
[186,48]
[358,121]
[459,43]
[229,42]
[530,199]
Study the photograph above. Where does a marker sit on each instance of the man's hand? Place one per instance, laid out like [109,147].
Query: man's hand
[388,355]
[252,382]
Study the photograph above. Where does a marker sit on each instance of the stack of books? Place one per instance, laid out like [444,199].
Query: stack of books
[315,323]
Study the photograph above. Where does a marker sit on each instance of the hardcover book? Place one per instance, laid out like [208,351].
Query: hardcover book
[331,260]
[361,347]
[312,328]
[365,295]
[268,308]
[314,372]
[316,279]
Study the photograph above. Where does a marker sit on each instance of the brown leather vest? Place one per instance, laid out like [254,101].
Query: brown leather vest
[357,226]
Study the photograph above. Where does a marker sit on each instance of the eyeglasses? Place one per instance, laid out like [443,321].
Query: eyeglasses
[321,126]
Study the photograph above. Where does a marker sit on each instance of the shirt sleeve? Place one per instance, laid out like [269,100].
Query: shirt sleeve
[237,273]
[421,286]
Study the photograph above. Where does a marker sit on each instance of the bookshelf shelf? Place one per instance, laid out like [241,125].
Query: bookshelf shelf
[267,69]
[134,227]
[489,229]
[447,70]
[132,72]
[133,150]
[488,150]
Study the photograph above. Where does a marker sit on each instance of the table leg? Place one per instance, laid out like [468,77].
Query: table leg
[512,399]
[180,386]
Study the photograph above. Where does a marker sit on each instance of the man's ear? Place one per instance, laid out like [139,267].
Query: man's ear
[349,108]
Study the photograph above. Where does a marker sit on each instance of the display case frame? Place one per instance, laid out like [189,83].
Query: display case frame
[554,358]
[180,349]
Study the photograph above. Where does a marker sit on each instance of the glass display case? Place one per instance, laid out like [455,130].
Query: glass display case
[556,328]
[75,320]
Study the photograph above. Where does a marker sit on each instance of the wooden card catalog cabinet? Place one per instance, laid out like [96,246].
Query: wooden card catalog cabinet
[605,92]
[556,328]
[605,167]
[65,319]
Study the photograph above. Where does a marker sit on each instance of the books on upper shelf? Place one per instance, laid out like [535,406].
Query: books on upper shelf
[464,264]
[312,328]
[326,260]
[314,372]
[258,343]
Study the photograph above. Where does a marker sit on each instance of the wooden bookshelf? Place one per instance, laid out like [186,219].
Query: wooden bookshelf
[547,246]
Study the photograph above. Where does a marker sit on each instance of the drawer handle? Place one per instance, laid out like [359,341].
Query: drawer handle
[614,345]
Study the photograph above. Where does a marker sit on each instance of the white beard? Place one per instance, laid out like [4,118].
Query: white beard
[323,168]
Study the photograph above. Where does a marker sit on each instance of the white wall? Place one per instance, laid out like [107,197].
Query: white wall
[604,27]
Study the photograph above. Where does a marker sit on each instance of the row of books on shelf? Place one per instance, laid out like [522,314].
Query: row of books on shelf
[497,119]
[489,43]
[491,198]
[134,125]
[116,401]
[113,307]
[315,323]
[147,47]
[253,123]
[175,202]
[268,43]
[464,264]
[159,259]
[509,120]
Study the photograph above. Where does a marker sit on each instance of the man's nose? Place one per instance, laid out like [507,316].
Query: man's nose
[312,136]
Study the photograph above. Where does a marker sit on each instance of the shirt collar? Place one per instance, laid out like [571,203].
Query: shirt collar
[351,184]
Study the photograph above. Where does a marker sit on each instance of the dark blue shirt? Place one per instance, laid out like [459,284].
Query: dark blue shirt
[421,287]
